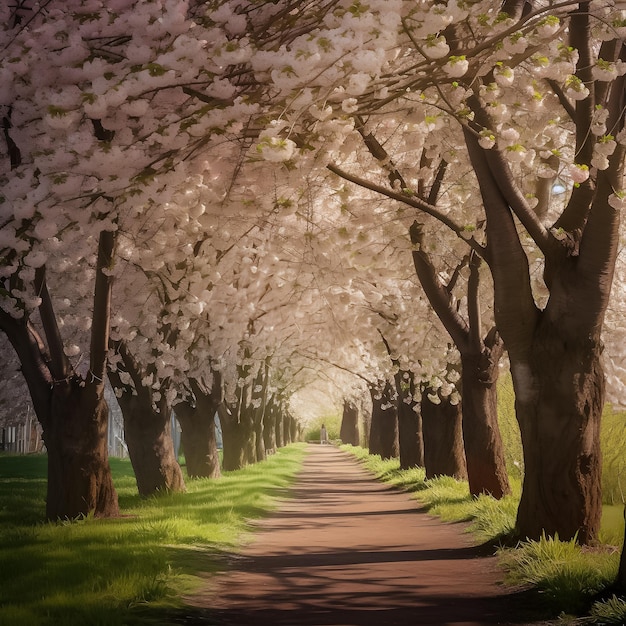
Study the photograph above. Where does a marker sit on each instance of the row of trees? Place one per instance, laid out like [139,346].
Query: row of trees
[217,203]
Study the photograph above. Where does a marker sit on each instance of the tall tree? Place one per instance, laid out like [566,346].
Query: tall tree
[71,408]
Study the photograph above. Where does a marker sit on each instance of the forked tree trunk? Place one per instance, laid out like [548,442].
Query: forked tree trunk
[349,430]
[384,425]
[198,437]
[148,435]
[484,452]
[410,437]
[75,433]
[559,400]
[444,454]
[71,410]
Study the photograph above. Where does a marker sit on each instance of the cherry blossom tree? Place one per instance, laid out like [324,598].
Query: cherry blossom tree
[537,93]
[98,125]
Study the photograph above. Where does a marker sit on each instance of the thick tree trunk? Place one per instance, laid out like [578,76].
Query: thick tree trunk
[410,437]
[148,434]
[559,400]
[234,438]
[349,430]
[384,425]
[75,433]
[198,437]
[484,452]
[444,454]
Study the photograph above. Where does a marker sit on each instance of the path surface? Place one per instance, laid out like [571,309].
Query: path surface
[347,550]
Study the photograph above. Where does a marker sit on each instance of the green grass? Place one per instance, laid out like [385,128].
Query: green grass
[109,572]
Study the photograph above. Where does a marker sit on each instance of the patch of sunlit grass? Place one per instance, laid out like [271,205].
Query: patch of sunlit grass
[567,575]
[102,572]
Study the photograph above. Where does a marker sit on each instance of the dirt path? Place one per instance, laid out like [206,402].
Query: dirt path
[347,550]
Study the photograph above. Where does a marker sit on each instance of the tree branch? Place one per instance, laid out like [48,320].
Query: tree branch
[413,201]
[60,366]
[473,304]
[436,292]
[100,327]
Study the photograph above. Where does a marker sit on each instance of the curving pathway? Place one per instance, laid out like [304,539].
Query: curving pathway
[347,550]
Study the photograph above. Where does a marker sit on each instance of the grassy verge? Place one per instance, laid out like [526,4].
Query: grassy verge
[568,579]
[108,572]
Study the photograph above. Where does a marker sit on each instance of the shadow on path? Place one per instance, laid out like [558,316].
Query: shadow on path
[346,550]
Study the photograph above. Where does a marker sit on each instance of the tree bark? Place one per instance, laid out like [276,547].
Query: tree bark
[286,429]
[249,442]
[269,427]
[148,434]
[559,400]
[75,433]
[349,430]
[197,421]
[384,425]
[293,429]
[444,453]
[234,437]
[410,437]
[147,428]
[280,434]
[484,452]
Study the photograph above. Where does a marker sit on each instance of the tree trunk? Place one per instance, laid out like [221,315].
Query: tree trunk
[260,454]
[79,475]
[293,429]
[410,437]
[349,430]
[559,400]
[249,442]
[367,428]
[234,440]
[280,434]
[286,429]
[198,436]
[269,428]
[384,426]
[148,435]
[484,452]
[443,439]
